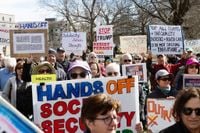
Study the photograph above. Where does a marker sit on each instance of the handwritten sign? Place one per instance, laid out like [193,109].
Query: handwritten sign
[12,121]
[138,69]
[194,44]
[165,39]
[74,42]
[4,37]
[191,80]
[159,114]
[104,33]
[32,25]
[57,105]
[133,44]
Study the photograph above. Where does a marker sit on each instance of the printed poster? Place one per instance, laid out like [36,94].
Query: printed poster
[32,25]
[57,105]
[191,80]
[4,37]
[138,69]
[165,39]
[12,121]
[159,114]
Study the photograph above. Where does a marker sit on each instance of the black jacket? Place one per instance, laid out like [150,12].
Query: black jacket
[176,128]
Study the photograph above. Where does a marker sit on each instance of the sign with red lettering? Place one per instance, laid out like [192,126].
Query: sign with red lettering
[159,114]
[191,80]
[138,69]
[104,33]
[57,105]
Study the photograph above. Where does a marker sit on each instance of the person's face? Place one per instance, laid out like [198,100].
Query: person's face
[104,123]
[19,70]
[51,58]
[44,70]
[161,60]
[60,55]
[193,69]
[164,82]
[127,60]
[112,73]
[137,59]
[78,73]
[191,121]
[94,69]
[92,58]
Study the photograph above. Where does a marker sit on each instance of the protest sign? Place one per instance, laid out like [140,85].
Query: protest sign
[42,78]
[159,114]
[133,44]
[138,69]
[12,121]
[104,33]
[4,37]
[191,80]
[57,105]
[103,48]
[74,42]
[32,25]
[165,39]
[28,42]
[194,44]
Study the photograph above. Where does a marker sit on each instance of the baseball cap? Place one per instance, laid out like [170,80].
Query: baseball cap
[163,73]
[60,49]
[189,49]
[191,61]
[79,63]
[52,51]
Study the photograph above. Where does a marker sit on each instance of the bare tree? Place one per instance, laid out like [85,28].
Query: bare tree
[167,11]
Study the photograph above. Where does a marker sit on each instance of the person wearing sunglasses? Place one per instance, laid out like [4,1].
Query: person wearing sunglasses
[79,69]
[163,88]
[112,70]
[186,112]
[192,68]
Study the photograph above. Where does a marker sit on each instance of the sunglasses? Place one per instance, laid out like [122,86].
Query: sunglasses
[75,75]
[44,71]
[137,58]
[19,67]
[165,79]
[112,73]
[127,60]
[193,66]
[188,111]
[93,57]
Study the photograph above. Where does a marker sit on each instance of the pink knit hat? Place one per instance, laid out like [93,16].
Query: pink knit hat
[192,61]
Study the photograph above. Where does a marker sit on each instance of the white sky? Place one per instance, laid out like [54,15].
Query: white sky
[24,10]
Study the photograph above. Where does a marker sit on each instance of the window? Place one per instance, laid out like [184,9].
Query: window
[10,19]
[3,18]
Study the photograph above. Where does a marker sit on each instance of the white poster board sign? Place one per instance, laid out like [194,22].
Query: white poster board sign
[194,44]
[159,114]
[133,44]
[138,69]
[4,37]
[57,105]
[104,33]
[165,39]
[74,42]
[191,80]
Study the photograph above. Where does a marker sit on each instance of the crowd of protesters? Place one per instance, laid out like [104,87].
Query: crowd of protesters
[165,75]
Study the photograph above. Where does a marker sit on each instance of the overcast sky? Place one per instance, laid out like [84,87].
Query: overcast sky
[24,10]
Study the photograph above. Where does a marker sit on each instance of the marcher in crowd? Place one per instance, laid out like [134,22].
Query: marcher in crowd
[163,88]
[61,58]
[95,70]
[7,72]
[13,84]
[79,69]
[192,68]
[113,70]
[186,111]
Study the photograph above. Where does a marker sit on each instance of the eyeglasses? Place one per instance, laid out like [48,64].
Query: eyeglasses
[44,71]
[108,120]
[75,75]
[127,60]
[137,58]
[165,79]
[112,73]
[188,111]
[19,68]
[193,66]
